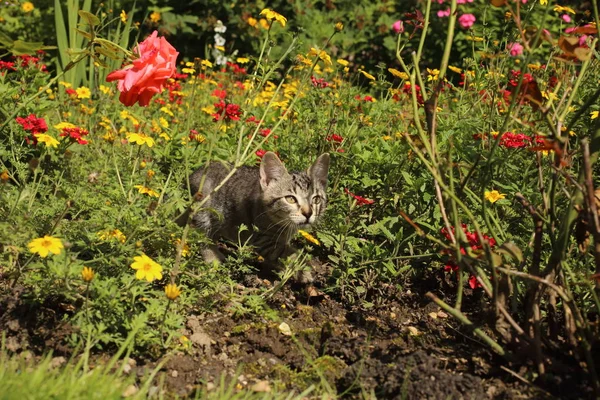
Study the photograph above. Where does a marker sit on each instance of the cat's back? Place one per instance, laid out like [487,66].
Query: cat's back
[243,184]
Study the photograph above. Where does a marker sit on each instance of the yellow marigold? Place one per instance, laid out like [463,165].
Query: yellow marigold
[146,268]
[398,74]
[321,54]
[367,75]
[190,71]
[155,17]
[493,196]
[27,7]
[45,245]
[172,291]
[273,15]
[48,140]
[87,274]
[140,139]
[146,190]
[309,237]
[83,92]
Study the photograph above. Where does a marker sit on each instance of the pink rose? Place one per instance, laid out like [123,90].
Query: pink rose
[398,27]
[444,13]
[467,20]
[146,76]
[515,49]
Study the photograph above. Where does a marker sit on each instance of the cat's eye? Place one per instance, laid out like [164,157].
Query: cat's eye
[291,199]
[316,200]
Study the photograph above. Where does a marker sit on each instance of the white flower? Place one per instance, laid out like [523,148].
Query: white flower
[220,28]
[219,40]
[221,60]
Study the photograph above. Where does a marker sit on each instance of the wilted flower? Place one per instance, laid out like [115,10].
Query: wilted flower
[45,245]
[146,268]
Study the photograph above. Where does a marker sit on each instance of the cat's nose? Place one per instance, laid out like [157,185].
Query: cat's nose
[307,212]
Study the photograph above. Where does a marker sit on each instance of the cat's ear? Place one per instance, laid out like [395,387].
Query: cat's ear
[271,169]
[319,170]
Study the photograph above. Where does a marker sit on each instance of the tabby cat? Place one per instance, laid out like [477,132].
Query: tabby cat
[277,203]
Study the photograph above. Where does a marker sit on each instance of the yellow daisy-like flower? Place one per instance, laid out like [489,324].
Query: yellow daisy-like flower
[321,54]
[140,139]
[454,69]
[146,190]
[594,114]
[309,237]
[45,245]
[123,16]
[104,89]
[562,9]
[114,234]
[172,291]
[87,274]
[62,125]
[155,17]
[48,140]
[367,75]
[339,26]
[543,2]
[206,63]
[167,111]
[83,92]
[146,268]
[65,84]
[493,196]
[27,7]
[163,122]
[433,74]
[398,74]
[242,60]
[264,24]
[273,15]
[342,62]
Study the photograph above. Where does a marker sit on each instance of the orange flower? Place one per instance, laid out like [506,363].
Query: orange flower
[146,76]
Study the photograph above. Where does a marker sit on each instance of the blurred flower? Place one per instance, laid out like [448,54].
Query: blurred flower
[359,199]
[474,283]
[594,114]
[466,20]
[242,60]
[146,268]
[455,69]
[32,124]
[123,16]
[48,140]
[433,74]
[252,22]
[398,27]
[140,139]
[321,54]
[273,15]
[444,13]
[155,17]
[226,111]
[339,26]
[367,75]
[172,291]
[83,92]
[87,274]
[566,18]
[147,74]
[146,190]
[562,9]
[398,74]
[75,133]
[309,237]
[114,234]
[493,196]
[45,245]
[515,49]
[27,7]
[543,2]
[342,62]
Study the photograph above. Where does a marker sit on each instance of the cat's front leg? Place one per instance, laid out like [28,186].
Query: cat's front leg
[211,254]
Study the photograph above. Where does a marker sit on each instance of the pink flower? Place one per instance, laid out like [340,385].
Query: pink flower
[398,27]
[467,20]
[146,76]
[463,1]
[566,18]
[444,13]
[515,49]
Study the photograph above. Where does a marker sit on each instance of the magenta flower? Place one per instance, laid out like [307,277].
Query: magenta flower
[515,49]
[398,27]
[466,20]
[444,13]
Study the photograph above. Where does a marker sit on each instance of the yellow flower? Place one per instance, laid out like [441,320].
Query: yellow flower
[44,246]
[155,17]
[65,84]
[342,62]
[339,26]
[27,7]
[206,63]
[172,291]
[123,16]
[321,54]
[48,140]
[140,138]
[263,23]
[114,234]
[454,69]
[163,122]
[167,111]
[190,71]
[252,22]
[83,93]
[146,190]
[87,274]
[220,48]
[242,60]
[398,74]
[309,237]
[146,268]
[433,74]
[367,75]
[543,2]
[62,125]
[493,196]
[273,15]
[594,114]
[561,9]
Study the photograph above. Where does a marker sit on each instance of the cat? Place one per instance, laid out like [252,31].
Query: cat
[269,198]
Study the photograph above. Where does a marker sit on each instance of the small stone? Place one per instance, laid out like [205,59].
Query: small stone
[285,329]
[261,386]
[57,362]
[210,386]
[174,374]
[413,331]
[433,315]
[129,391]
[442,314]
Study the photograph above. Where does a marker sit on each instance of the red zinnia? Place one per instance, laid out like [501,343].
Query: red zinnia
[359,199]
[75,134]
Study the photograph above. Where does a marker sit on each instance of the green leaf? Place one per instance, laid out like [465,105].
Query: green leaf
[91,19]
[20,47]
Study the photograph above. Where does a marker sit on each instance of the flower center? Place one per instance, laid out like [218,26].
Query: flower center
[147,267]
[46,243]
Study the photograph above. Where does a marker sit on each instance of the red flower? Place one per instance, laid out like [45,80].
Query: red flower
[236,68]
[147,75]
[32,124]
[260,153]
[359,199]
[253,119]
[221,94]
[474,283]
[335,138]
[319,83]
[75,134]
[514,140]
[230,111]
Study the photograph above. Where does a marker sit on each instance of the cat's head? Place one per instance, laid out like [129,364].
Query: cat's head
[300,197]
